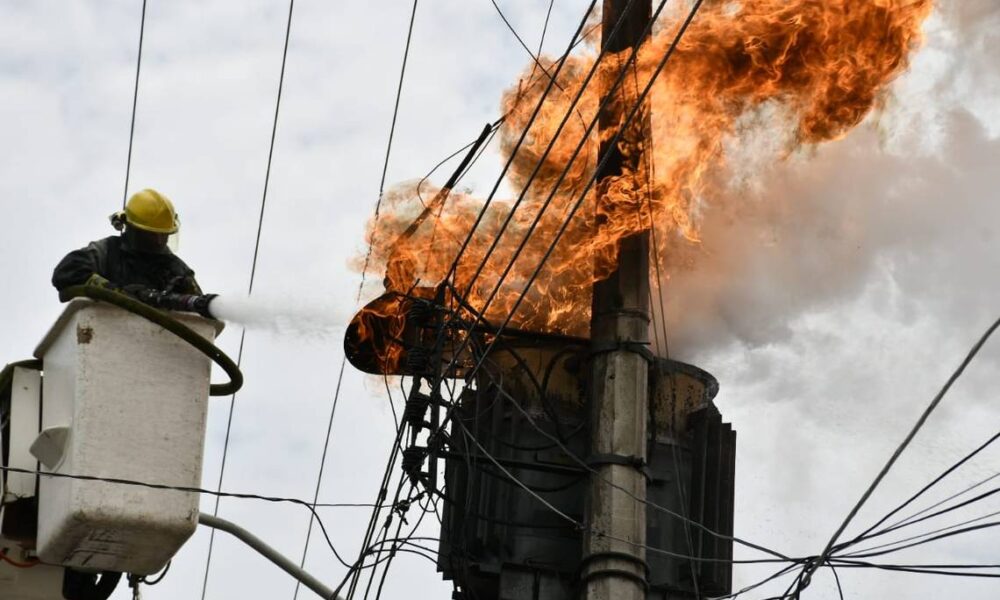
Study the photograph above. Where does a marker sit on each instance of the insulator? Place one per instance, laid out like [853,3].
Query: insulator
[413,458]
[421,312]
[416,407]
[418,360]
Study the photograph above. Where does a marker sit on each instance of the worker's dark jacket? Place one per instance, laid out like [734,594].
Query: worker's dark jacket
[114,259]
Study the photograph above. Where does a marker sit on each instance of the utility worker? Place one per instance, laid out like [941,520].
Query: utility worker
[137,262]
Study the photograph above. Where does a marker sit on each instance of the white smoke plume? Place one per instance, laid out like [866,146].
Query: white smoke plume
[916,182]
[288,316]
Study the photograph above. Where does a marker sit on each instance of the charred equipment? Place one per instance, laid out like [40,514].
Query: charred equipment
[477,421]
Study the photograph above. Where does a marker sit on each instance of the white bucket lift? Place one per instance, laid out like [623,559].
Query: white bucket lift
[122,398]
[118,397]
[113,396]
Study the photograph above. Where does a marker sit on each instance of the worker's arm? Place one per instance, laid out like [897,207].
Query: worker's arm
[79,266]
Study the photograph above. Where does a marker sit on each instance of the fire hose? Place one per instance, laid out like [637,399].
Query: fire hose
[167,322]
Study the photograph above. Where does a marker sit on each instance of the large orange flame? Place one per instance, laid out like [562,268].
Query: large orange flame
[821,64]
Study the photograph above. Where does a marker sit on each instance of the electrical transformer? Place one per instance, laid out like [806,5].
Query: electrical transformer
[515,455]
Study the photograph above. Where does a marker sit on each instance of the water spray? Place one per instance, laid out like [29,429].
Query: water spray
[286,316]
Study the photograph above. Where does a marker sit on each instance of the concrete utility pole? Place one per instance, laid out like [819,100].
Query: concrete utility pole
[614,569]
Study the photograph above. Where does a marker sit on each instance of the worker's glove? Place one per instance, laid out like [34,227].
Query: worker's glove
[144,294]
[96,280]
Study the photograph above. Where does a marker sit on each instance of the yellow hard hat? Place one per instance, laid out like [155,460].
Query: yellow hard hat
[150,210]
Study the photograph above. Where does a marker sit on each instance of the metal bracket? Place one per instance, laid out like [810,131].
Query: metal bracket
[636,462]
[640,348]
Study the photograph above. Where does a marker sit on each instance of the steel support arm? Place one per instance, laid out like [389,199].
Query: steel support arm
[269,553]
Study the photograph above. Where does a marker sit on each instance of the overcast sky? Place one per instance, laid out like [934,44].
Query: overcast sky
[834,317]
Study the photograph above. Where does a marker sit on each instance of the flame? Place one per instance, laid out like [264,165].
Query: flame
[826,64]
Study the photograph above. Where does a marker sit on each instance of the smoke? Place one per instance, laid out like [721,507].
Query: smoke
[290,316]
[906,198]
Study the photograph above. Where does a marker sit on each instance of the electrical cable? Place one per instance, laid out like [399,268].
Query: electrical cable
[367,544]
[195,490]
[647,155]
[926,571]
[519,483]
[253,272]
[614,87]
[562,176]
[189,489]
[319,475]
[909,519]
[577,459]
[533,56]
[494,128]
[545,28]
[144,579]
[778,574]
[591,180]
[399,542]
[935,514]
[541,161]
[364,271]
[504,522]
[928,540]
[530,282]
[934,482]
[581,527]
[517,145]
[918,536]
[388,562]
[381,495]
[896,454]
[396,504]
[135,102]
[392,133]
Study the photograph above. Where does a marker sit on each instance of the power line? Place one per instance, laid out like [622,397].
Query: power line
[196,490]
[361,286]
[533,56]
[807,571]
[381,495]
[919,536]
[319,474]
[396,446]
[253,272]
[392,133]
[517,145]
[580,526]
[510,214]
[925,569]
[583,464]
[181,488]
[614,140]
[135,102]
[545,28]
[601,165]
[934,482]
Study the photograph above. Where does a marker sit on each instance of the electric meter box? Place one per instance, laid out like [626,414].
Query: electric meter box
[123,398]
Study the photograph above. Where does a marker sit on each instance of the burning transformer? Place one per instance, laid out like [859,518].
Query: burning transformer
[508,453]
